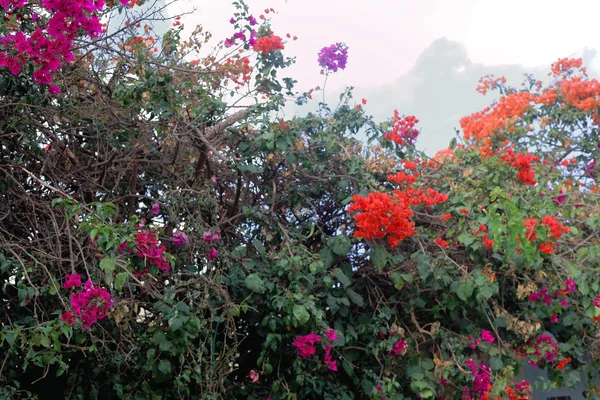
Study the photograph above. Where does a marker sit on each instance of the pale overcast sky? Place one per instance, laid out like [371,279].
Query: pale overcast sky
[420,57]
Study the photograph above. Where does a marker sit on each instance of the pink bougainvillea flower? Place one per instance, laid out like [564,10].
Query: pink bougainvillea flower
[487,336]
[253,375]
[72,281]
[54,89]
[68,318]
[155,209]
[212,254]
[570,285]
[89,305]
[399,347]
[554,318]
[331,336]
[329,362]
[305,345]
[180,239]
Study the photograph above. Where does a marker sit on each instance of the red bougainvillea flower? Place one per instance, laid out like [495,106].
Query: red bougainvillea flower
[547,248]
[267,44]
[68,318]
[563,363]
[403,129]
[441,242]
[381,215]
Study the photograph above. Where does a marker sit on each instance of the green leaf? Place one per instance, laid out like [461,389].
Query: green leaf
[341,245]
[397,279]
[108,266]
[255,283]
[379,257]
[301,314]
[164,366]
[259,246]
[11,337]
[348,367]
[496,363]
[339,274]
[355,297]
[465,290]
[120,281]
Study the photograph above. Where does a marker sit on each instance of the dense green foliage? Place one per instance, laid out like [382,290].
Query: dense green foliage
[260,240]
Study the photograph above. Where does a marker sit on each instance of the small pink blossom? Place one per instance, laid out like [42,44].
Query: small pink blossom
[253,375]
[155,209]
[399,347]
[180,239]
[331,336]
[329,362]
[305,345]
[212,254]
[68,318]
[54,89]
[487,336]
[207,237]
[72,281]
[554,318]
[570,285]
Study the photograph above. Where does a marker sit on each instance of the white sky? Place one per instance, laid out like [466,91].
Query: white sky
[386,37]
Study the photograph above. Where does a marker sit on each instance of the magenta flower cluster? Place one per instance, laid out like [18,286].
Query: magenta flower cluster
[482,382]
[89,305]
[305,346]
[51,45]
[334,57]
[209,238]
[147,248]
[486,336]
[180,239]
[241,35]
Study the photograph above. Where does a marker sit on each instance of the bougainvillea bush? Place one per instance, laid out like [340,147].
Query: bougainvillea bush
[165,233]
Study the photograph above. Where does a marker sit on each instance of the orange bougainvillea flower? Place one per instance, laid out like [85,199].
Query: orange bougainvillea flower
[267,44]
[563,363]
[547,248]
[389,215]
[441,242]
[383,215]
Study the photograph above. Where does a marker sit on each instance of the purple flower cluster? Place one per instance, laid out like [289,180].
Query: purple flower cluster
[241,35]
[334,57]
